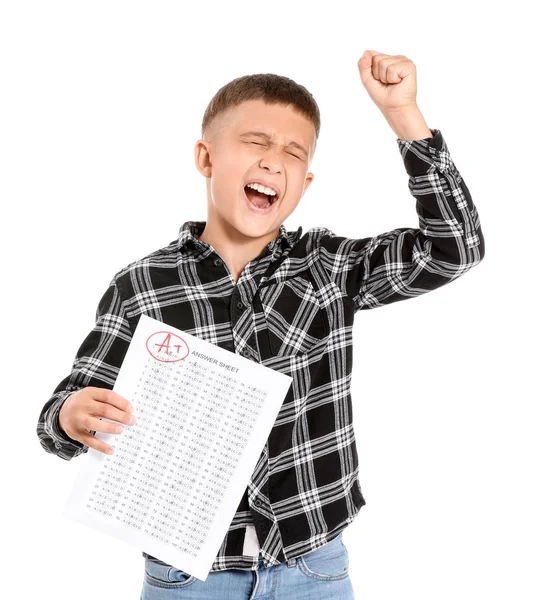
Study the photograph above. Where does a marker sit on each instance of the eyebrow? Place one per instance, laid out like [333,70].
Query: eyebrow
[268,138]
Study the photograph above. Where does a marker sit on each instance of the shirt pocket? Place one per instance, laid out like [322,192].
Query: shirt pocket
[294,318]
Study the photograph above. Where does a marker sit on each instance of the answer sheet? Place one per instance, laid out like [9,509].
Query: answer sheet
[175,480]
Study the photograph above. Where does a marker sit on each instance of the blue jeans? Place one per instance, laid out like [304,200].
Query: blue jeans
[319,575]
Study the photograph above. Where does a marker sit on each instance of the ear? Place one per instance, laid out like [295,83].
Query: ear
[309,179]
[202,157]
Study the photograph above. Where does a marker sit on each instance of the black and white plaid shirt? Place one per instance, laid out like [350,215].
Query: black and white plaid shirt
[292,310]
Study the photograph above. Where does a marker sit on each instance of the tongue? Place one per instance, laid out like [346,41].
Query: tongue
[258,198]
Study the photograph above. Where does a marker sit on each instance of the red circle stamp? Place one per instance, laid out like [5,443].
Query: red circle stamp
[166,346]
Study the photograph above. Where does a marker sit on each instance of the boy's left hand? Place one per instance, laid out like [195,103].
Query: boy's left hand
[389,80]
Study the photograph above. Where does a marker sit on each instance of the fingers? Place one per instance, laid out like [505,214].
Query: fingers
[107,411]
[110,397]
[86,411]
[385,68]
[98,424]
[95,443]
[375,64]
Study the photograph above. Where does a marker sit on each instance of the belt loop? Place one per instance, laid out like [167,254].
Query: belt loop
[291,562]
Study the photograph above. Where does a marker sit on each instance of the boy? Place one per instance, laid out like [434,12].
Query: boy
[287,301]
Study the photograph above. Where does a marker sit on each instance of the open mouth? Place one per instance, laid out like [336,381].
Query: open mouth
[259,199]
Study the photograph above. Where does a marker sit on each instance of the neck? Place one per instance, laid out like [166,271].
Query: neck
[236,249]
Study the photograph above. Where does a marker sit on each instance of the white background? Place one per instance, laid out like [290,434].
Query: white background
[100,108]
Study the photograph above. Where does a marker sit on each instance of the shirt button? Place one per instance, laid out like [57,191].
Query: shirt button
[240,305]
[218,262]
[58,445]
[258,502]
[247,353]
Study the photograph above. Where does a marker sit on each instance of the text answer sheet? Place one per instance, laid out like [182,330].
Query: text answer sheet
[175,480]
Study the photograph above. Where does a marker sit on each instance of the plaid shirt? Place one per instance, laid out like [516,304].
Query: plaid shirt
[292,309]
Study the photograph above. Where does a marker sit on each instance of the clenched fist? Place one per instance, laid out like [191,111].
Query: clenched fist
[389,80]
[83,411]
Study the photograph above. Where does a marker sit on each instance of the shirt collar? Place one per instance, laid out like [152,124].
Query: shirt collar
[191,230]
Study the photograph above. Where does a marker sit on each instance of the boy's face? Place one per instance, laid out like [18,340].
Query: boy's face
[229,157]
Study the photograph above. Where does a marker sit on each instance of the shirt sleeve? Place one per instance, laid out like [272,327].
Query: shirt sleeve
[407,262]
[97,363]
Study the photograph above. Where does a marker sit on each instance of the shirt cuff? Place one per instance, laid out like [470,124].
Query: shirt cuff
[427,154]
[52,425]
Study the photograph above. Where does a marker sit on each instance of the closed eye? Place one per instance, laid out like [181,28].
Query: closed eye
[258,144]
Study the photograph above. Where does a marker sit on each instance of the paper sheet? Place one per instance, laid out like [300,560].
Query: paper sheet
[175,480]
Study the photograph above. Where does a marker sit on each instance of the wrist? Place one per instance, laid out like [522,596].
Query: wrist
[60,424]
[408,123]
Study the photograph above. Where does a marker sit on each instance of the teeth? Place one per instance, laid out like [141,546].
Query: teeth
[260,188]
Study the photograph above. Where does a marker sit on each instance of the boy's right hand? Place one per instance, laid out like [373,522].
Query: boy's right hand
[82,410]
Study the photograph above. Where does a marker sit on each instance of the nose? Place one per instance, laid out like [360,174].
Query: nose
[272,162]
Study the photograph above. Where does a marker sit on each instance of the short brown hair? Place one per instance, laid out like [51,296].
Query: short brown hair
[272,89]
